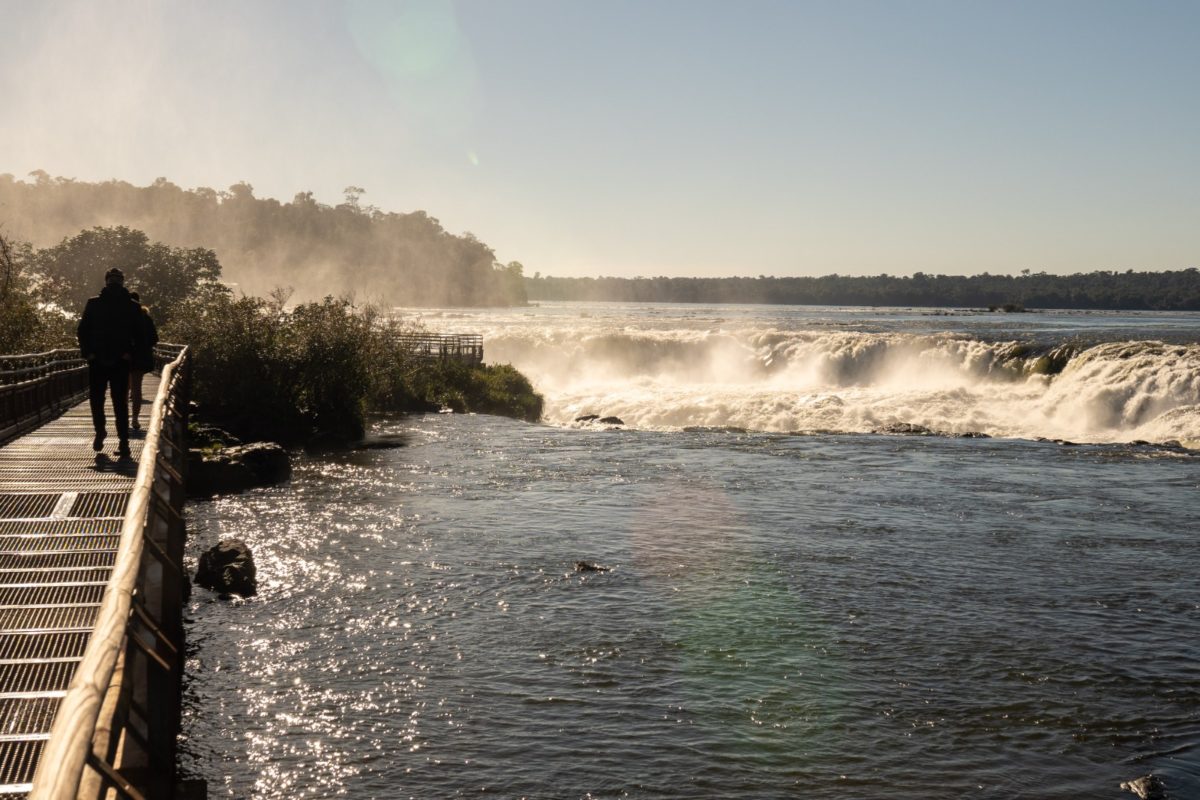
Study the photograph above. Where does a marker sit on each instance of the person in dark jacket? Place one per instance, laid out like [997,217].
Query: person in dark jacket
[143,361]
[110,332]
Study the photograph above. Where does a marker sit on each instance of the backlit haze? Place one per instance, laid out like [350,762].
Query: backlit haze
[647,138]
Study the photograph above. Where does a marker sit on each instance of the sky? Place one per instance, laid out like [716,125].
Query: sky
[654,137]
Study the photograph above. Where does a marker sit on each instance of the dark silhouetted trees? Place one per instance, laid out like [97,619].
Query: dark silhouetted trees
[1174,290]
[73,270]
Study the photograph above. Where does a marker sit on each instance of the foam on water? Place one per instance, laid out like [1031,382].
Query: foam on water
[662,371]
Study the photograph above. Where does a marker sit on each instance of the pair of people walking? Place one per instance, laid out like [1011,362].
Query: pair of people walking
[117,338]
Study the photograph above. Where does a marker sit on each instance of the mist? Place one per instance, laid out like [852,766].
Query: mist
[312,248]
[711,367]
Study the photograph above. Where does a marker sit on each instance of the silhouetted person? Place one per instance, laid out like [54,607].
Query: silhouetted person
[110,332]
[143,360]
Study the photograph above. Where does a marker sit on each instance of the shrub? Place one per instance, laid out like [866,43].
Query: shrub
[264,372]
[490,389]
[331,342]
[242,375]
[268,373]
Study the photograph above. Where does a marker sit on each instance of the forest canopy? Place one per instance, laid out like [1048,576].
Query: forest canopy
[1167,291]
[409,259]
[316,249]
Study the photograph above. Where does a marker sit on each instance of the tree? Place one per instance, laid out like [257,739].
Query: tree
[73,270]
[353,195]
[23,326]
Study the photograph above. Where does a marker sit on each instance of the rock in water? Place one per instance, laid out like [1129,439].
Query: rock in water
[235,469]
[381,441]
[1147,787]
[587,566]
[908,428]
[204,435]
[611,421]
[588,418]
[228,568]
[268,460]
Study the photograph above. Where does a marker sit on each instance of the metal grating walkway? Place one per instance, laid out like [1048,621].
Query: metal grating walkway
[61,508]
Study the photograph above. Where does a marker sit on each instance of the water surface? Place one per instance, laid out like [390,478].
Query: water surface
[839,616]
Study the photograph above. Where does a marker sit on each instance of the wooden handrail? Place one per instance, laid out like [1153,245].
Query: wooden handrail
[67,752]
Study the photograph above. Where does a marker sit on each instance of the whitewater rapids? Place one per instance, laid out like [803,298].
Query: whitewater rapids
[662,368]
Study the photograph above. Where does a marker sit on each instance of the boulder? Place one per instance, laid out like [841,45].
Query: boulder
[611,421]
[587,566]
[228,568]
[201,434]
[235,469]
[588,418]
[1147,787]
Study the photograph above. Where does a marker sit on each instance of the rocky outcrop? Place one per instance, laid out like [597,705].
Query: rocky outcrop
[907,429]
[596,419]
[228,568]
[1147,787]
[235,469]
[201,434]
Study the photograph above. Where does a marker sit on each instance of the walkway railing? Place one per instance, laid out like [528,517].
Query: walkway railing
[116,726]
[38,387]
[466,347]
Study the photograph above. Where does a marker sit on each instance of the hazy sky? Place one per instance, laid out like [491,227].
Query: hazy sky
[651,137]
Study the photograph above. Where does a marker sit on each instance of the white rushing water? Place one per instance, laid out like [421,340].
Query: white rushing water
[788,369]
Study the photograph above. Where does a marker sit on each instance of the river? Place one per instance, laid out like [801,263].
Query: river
[797,600]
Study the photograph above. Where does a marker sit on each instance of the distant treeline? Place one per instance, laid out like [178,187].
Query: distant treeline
[1167,291]
[316,249]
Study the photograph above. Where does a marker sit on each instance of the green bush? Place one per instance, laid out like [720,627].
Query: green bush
[331,341]
[313,372]
[268,373]
[496,389]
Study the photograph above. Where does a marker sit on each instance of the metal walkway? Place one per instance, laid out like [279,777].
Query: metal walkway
[463,347]
[91,585]
[61,510]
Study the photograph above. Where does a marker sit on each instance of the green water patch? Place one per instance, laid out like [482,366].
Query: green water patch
[758,668]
